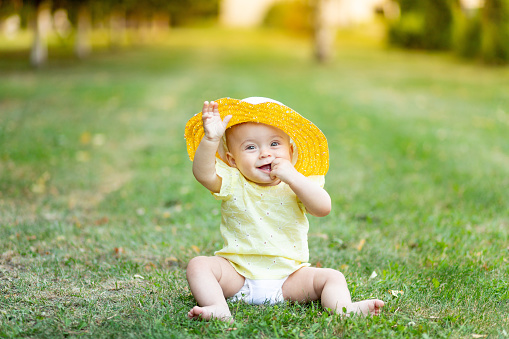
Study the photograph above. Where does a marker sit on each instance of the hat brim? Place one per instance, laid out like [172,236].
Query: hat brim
[310,141]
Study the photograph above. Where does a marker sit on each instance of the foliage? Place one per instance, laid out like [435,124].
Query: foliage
[9,7]
[436,24]
[99,211]
[423,25]
[292,16]
[495,32]
[191,11]
[182,12]
[467,35]
[407,31]
[483,33]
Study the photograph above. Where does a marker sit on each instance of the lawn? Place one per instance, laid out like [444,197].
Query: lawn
[99,211]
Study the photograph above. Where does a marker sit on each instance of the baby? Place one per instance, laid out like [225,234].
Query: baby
[266,163]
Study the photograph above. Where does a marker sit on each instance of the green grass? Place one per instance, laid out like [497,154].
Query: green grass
[99,211]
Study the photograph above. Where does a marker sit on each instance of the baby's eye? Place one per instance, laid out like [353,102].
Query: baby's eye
[250,147]
[274,143]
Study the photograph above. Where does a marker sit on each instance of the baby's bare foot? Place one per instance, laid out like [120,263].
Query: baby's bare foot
[366,307]
[209,312]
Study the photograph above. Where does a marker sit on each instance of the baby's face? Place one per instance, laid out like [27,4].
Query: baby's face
[252,149]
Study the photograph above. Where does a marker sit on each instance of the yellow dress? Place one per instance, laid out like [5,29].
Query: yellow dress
[264,228]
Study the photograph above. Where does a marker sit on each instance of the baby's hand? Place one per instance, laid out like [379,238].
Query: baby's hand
[213,126]
[283,170]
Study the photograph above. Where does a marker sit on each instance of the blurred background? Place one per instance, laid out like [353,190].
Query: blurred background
[471,29]
[85,84]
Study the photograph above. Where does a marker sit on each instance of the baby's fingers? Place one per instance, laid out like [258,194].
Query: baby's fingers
[226,120]
[205,108]
[214,106]
[273,174]
[210,108]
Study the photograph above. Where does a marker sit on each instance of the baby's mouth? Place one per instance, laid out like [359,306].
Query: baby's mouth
[265,168]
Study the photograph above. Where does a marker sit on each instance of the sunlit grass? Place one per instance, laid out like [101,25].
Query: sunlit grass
[99,212]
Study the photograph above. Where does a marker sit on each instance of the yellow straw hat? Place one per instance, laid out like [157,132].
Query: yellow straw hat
[312,148]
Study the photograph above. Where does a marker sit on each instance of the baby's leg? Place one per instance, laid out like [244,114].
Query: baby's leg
[212,279]
[330,287]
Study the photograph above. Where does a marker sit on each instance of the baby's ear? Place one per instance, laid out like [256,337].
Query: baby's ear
[231,160]
[294,153]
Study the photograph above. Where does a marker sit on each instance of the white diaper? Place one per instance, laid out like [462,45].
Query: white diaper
[258,292]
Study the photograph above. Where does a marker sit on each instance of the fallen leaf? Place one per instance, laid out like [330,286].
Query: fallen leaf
[373,275]
[98,139]
[318,264]
[361,244]
[479,335]
[101,221]
[195,248]
[82,156]
[320,235]
[119,250]
[77,223]
[139,276]
[72,202]
[38,188]
[40,185]
[396,293]
[8,255]
[85,138]
[149,266]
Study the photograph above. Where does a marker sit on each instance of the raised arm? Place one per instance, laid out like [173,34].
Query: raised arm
[204,163]
[316,200]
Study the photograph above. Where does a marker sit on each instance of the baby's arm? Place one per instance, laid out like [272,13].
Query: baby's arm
[316,200]
[204,163]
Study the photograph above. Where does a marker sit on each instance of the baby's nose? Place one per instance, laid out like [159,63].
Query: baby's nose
[264,153]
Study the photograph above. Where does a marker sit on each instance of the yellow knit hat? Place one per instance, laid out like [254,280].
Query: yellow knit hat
[312,148]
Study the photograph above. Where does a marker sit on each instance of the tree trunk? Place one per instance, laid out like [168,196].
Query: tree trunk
[118,33]
[82,43]
[160,23]
[323,33]
[39,23]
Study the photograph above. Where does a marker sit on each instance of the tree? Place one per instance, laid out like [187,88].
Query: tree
[306,17]
[40,24]
[119,13]
[323,32]
[423,24]
[82,45]
[495,32]
[80,16]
